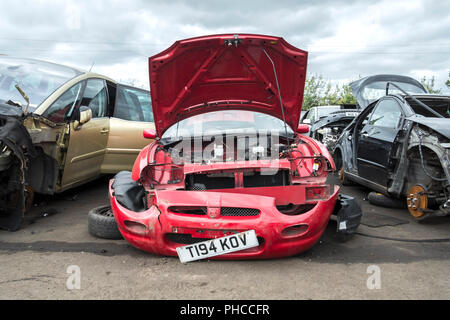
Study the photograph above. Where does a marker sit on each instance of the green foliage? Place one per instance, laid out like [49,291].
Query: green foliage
[429,85]
[320,92]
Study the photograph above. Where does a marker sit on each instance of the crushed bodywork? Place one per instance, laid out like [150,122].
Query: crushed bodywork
[61,127]
[24,167]
[228,157]
[403,156]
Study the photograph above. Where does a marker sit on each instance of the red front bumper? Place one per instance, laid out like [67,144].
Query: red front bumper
[159,230]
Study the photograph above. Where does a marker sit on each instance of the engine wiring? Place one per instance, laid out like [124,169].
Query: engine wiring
[423,164]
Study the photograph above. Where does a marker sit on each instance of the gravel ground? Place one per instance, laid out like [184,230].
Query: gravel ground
[35,261]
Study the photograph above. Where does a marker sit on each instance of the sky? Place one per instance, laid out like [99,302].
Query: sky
[345,40]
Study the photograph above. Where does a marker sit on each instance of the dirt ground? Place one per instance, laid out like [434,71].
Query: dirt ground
[35,261]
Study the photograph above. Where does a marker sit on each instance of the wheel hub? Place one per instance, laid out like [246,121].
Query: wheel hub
[417,201]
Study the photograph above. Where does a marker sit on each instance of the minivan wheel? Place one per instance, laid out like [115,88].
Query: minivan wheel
[102,224]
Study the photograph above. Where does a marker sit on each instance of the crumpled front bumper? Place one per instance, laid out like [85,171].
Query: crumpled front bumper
[159,230]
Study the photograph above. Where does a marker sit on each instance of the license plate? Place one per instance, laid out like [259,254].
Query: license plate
[218,246]
[351,114]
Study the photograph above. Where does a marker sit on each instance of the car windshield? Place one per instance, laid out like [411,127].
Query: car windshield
[326,110]
[226,121]
[38,79]
[376,90]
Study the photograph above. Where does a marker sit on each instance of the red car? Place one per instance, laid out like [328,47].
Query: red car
[228,155]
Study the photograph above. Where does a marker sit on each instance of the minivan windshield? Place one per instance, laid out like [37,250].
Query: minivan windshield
[38,79]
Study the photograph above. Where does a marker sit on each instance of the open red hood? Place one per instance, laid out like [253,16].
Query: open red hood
[227,71]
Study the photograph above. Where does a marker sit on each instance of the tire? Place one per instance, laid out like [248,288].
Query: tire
[102,224]
[381,200]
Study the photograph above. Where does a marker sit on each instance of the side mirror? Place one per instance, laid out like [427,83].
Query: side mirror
[303,128]
[307,121]
[149,133]
[85,116]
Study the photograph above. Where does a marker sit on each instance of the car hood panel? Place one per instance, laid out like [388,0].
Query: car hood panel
[220,72]
[360,85]
[440,125]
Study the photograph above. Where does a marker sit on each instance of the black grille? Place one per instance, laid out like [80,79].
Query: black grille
[238,212]
[189,210]
[224,211]
[184,238]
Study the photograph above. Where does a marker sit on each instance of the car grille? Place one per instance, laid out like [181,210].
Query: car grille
[224,211]
[189,210]
[238,212]
[184,238]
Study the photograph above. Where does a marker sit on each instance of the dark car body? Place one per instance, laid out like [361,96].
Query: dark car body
[227,84]
[399,144]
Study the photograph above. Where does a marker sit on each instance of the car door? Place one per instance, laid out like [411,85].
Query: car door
[376,140]
[87,143]
[131,115]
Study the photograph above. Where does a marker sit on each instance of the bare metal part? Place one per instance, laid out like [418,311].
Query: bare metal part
[414,99]
[279,94]
[25,97]
[423,165]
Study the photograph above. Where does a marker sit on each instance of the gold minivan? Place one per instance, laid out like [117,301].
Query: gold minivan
[61,127]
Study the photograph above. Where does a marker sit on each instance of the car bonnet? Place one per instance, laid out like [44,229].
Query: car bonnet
[359,86]
[219,72]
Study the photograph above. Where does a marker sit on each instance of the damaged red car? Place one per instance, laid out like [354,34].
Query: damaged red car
[229,156]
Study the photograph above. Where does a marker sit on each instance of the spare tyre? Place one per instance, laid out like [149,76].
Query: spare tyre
[102,224]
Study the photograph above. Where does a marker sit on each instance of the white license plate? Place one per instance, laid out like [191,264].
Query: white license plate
[218,246]
[351,114]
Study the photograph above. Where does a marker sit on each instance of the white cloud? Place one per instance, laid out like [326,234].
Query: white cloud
[346,39]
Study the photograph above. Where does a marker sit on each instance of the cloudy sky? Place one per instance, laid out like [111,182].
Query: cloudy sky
[345,39]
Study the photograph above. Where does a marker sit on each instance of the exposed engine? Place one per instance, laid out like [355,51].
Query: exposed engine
[329,135]
[227,149]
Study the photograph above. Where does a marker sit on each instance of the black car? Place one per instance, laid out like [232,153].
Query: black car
[399,143]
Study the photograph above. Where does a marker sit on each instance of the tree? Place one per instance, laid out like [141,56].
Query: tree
[314,85]
[429,84]
[320,92]
[346,95]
